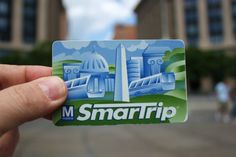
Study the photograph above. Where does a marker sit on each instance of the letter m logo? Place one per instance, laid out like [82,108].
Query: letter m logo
[67,113]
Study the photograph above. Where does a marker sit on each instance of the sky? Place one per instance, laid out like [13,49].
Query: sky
[95,19]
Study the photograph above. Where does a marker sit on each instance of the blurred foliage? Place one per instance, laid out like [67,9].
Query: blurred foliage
[214,64]
[40,55]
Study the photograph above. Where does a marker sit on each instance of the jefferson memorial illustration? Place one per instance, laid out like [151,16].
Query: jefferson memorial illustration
[134,77]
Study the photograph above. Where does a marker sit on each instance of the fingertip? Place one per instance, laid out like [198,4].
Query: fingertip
[53,87]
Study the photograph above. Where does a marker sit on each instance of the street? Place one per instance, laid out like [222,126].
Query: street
[199,136]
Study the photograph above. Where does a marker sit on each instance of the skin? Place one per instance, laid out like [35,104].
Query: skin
[26,93]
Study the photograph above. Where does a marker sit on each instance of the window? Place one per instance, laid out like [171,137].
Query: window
[133,85]
[153,80]
[139,84]
[234,17]
[5,20]
[80,82]
[76,83]
[171,78]
[68,84]
[146,82]
[83,81]
[215,25]
[3,7]
[191,22]
[29,21]
[3,23]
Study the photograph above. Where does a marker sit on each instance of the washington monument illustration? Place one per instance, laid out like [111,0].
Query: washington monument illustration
[121,92]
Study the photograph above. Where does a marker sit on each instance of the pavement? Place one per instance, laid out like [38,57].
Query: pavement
[199,136]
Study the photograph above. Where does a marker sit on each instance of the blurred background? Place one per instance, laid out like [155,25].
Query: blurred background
[208,27]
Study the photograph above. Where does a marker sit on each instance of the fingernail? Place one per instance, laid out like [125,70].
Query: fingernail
[53,87]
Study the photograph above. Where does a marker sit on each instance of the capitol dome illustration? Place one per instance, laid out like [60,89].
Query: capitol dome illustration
[95,66]
[94,63]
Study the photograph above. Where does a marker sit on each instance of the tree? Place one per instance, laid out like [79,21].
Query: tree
[40,55]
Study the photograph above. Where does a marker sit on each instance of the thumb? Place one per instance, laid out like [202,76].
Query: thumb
[29,101]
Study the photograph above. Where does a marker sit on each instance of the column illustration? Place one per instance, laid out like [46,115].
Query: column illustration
[121,79]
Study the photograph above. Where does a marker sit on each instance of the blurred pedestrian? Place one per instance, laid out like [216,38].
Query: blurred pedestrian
[223,96]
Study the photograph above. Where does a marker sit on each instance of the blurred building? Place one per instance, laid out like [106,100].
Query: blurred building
[208,24]
[125,32]
[26,22]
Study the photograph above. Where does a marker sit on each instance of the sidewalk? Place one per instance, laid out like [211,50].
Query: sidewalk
[200,136]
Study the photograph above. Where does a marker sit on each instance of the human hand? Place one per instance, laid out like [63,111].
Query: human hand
[26,93]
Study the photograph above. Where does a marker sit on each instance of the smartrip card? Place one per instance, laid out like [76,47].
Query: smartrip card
[121,81]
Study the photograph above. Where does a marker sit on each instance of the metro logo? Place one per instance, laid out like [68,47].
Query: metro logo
[67,113]
[125,111]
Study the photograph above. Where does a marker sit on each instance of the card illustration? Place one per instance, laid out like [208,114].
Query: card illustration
[121,81]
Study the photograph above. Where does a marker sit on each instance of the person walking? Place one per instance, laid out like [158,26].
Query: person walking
[223,96]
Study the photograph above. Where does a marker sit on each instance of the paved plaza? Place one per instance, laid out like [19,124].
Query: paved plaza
[199,136]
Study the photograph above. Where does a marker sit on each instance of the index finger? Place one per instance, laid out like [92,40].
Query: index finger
[13,74]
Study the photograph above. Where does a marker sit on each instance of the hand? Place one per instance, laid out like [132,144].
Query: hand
[26,93]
